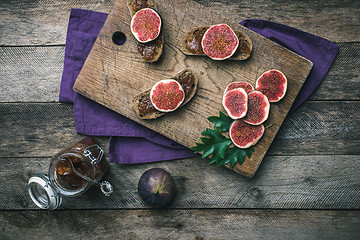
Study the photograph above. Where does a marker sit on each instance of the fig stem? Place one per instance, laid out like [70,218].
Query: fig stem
[269,126]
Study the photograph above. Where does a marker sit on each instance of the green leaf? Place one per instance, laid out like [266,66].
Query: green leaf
[222,122]
[217,145]
[249,152]
[234,155]
[214,143]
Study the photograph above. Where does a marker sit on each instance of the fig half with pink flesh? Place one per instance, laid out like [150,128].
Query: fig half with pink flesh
[273,84]
[219,42]
[146,25]
[244,135]
[167,95]
[258,108]
[235,103]
[245,85]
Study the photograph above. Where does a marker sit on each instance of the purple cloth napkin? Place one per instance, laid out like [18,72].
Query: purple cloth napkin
[127,136]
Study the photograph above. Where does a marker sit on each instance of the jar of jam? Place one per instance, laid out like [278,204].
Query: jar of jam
[72,171]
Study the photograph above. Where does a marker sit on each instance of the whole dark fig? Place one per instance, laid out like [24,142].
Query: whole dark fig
[156,187]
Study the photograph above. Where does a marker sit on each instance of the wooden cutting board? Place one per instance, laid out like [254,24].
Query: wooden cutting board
[113,74]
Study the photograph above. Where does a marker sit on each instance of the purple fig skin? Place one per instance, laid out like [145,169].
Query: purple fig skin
[156,187]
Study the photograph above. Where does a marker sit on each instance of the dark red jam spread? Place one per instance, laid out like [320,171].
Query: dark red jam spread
[149,50]
[145,105]
[186,81]
[243,47]
[193,44]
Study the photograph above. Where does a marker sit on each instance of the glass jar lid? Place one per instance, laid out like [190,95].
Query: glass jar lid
[43,193]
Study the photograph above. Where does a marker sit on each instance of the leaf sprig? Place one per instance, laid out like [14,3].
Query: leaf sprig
[217,145]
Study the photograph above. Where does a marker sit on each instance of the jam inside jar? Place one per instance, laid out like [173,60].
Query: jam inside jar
[65,175]
[84,157]
[72,171]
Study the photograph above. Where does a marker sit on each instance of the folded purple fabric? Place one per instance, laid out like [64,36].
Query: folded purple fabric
[318,50]
[127,136]
[91,118]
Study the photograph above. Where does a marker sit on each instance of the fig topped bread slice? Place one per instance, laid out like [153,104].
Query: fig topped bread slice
[150,50]
[191,43]
[142,103]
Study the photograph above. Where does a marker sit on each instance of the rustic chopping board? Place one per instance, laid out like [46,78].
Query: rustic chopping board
[113,74]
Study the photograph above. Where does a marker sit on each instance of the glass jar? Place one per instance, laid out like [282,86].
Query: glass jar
[71,172]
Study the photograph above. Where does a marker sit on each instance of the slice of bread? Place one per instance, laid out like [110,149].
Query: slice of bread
[135,5]
[150,51]
[145,97]
[191,43]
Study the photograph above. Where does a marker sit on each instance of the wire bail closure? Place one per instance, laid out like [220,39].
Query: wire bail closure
[88,152]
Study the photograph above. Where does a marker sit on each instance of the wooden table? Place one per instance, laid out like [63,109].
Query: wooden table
[307,187]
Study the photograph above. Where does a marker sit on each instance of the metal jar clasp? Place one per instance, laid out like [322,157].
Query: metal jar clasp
[88,152]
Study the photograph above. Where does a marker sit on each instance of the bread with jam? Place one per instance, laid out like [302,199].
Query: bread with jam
[191,43]
[143,107]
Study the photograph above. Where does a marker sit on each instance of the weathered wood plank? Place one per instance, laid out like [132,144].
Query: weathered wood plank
[290,182]
[326,127]
[33,74]
[342,82]
[320,128]
[28,22]
[181,224]
[41,128]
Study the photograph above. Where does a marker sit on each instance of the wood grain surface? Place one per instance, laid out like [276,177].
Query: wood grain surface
[283,182]
[28,22]
[306,188]
[113,74]
[181,224]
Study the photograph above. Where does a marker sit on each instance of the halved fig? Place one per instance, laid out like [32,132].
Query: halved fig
[191,43]
[146,25]
[244,135]
[235,103]
[258,108]
[167,95]
[273,84]
[245,85]
[219,42]
[144,109]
